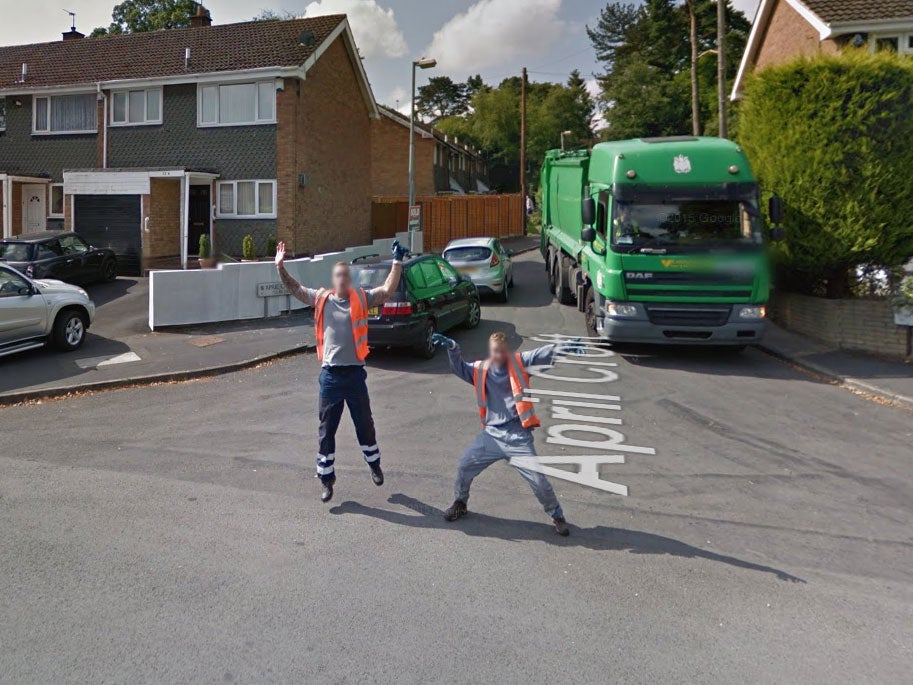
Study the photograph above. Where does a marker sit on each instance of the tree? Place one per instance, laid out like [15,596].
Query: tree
[441,98]
[136,16]
[270,15]
[475,84]
[583,102]
[831,136]
[695,85]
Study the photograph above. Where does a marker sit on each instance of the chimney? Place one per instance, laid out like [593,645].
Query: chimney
[73,34]
[201,18]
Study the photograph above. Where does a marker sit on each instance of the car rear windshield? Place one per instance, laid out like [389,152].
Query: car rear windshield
[15,252]
[369,276]
[468,254]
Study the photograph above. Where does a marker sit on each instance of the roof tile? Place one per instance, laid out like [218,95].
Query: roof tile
[846,11]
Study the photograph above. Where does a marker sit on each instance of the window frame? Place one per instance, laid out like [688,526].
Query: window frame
[2,113]
[51,96]
[146,121]
[63,200]
[258,121]
[234,197]
[904,41]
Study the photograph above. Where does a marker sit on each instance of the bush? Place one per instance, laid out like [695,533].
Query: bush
[271,244]
[248,251]
[205,246]
[834,137]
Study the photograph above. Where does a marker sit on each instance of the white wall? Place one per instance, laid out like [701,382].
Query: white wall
[229,293]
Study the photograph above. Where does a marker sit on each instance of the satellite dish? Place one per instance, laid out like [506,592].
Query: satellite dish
[306,39]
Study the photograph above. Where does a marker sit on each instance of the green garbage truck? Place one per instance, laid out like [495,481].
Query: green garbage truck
[658,240]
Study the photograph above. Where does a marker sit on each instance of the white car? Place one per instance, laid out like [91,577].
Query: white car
[485,262]
[34,313]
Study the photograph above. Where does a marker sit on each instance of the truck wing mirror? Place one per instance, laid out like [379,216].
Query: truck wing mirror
[588,211]
[775,209]
[588,234]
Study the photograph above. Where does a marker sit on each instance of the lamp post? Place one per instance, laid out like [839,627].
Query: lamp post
[423,63]
[565,133]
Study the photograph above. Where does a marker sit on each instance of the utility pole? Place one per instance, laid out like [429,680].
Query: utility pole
[695,92]
[721,63]
[523,148]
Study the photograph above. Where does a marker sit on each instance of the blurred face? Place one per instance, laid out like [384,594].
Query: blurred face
[498,352]
[342,279]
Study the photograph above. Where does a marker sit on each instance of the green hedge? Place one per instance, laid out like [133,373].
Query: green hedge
[834,137]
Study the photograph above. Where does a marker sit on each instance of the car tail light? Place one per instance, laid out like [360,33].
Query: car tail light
[397,309]
[494,259]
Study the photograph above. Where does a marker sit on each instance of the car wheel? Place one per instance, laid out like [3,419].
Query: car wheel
[109,270]
[589,313]
[425,349]
[69,330]
[475,314]
[562,289]
[504,295]
[510,283]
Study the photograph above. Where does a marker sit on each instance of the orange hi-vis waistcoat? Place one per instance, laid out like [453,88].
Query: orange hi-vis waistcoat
[519,386]
[358,309]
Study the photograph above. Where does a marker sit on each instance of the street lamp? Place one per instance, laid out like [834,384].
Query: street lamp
[423,63]
[565,133]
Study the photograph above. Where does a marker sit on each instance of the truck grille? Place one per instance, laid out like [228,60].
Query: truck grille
[677,315]
[687,278]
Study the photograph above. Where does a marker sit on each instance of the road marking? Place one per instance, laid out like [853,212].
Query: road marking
[107,360]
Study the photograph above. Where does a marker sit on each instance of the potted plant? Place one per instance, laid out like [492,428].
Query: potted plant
[271,244]
[248,250]
[207,261]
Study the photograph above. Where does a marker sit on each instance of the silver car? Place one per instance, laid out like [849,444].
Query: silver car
[485,262]
[34,313]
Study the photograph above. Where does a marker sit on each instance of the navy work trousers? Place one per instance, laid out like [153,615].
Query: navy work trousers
[344,385]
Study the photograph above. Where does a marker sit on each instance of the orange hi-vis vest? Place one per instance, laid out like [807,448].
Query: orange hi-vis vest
[358,309]
[519,386]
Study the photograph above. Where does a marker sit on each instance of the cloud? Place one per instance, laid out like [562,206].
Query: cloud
[398,99]
[493,32]
[375,28]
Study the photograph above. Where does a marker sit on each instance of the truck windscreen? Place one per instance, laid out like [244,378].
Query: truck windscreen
[688,225]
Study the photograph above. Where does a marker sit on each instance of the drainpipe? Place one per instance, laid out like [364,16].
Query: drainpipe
[104,127]
[7,209]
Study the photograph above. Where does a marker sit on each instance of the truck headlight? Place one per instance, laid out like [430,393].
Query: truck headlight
[753,312]
[620,311]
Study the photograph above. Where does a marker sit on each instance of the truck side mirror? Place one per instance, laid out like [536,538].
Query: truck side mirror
[775,209]
[588,211]
[588,234]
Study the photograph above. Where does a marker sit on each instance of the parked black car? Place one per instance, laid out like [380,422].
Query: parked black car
[64,256]
[432,297]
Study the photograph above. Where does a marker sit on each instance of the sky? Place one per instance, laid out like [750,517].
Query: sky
[495,38]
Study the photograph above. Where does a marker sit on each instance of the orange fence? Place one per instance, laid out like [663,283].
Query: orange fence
[447,217]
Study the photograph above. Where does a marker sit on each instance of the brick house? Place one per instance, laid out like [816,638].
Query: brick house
[785,29]
[145,141]
[442,163]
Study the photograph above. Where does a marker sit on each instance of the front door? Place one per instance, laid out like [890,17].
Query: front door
[34,207]
[198,219]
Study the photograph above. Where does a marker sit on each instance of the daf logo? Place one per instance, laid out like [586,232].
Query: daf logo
[639,276]
[681,164]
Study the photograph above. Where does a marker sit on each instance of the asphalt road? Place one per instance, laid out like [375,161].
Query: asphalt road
[174,533]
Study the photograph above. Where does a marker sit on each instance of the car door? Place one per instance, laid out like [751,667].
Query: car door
[456,297]
[23,312]
[436,293]
[92,261]
[74,252]
[49,261]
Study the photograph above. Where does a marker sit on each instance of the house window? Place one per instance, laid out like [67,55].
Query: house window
[2,114]
[247,200]
[237,104]
[55,209]
[136,107]
[65,114]
[887,43]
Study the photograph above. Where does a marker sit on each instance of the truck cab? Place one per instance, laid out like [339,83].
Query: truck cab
[658,240]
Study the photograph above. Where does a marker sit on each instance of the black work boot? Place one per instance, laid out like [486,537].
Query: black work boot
[377,475]
[327,493]
[456,510]
[561,526]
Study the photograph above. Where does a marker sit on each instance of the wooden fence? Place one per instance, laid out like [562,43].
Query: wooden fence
[447,217]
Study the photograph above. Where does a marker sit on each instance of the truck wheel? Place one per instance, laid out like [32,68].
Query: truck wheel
[563,292]
[550,267]
[69,330]
[589,313]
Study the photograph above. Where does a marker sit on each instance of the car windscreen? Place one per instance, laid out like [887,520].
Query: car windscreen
[15,252]
[369,276]
[470,253]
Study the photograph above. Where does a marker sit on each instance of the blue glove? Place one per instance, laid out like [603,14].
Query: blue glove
[573,346]
[443,341]
[398,251]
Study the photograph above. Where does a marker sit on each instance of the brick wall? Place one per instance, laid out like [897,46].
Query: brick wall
[324,132]
[163,207]
[865,325]
[390,160]
[788,35]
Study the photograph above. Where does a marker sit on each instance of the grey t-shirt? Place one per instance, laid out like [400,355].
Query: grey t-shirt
[338,339]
